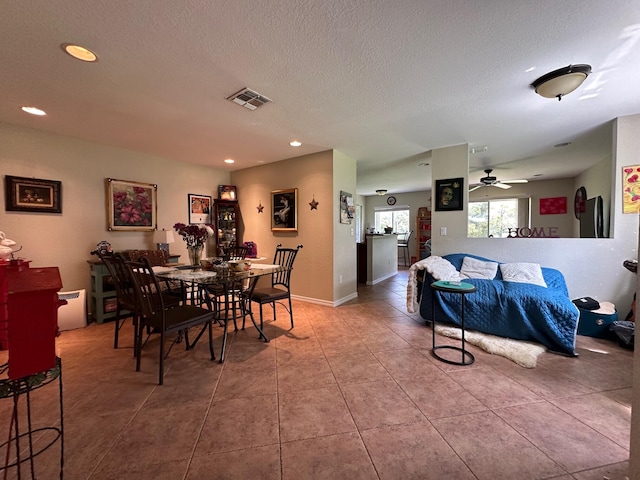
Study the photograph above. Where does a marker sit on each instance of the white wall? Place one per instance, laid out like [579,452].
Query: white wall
[592,267]
[413,200]
[345,282]
[318,230]
[65,240]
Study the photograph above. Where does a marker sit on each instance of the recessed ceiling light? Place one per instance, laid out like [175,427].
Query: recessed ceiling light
[295,143]
[81,53]
[34,111]
[229,160]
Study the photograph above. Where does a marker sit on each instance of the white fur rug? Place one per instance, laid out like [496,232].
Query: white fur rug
[523,353]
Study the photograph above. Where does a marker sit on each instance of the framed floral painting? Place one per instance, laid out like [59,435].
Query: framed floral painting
[131,206]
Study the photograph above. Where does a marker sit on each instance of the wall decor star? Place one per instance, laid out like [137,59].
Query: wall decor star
[260,207]
[313,204]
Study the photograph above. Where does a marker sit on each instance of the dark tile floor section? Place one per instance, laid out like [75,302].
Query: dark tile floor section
[351,393]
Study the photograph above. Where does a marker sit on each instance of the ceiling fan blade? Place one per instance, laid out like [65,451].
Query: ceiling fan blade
[501,185]
[476,187]
[515,181]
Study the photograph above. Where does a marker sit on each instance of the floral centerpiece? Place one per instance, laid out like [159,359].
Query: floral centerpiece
[195,236]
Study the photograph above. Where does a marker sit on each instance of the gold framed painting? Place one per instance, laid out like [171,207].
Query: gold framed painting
[131,206]
[284,210]
[32,195]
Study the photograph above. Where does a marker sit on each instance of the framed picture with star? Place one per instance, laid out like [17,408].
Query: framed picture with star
[284,210]
[346,207]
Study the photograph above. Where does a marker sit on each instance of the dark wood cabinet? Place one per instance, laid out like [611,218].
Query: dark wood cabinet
[227,217]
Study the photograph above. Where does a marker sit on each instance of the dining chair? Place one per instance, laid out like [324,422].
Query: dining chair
[125,300]
[280,289]
[403,245]
[154,314]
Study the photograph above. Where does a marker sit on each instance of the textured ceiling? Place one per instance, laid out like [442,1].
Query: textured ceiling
[384,82]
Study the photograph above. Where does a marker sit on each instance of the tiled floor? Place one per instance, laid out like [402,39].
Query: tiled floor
[351,393]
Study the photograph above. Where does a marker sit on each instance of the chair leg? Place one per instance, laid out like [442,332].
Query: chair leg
[138,348]
[291,311]
[117,331]
[261,327]
[213,355]
[161,366]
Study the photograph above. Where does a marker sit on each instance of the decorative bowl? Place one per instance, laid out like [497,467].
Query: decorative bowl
[209,263]
[240,265]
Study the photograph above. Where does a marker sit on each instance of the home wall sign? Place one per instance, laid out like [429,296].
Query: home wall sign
[535,232]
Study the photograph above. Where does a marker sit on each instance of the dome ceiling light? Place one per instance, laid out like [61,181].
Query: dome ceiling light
[561,82]
[381,191]
[79,52]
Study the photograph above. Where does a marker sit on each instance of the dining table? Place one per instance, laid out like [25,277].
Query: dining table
[235,286]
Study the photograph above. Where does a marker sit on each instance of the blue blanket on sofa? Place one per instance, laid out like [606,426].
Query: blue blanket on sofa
[515,310]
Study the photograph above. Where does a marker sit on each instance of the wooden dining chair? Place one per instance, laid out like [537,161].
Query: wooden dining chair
[280,289]
[154,314]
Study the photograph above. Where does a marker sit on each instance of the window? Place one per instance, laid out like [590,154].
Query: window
[493,218]
[397,219]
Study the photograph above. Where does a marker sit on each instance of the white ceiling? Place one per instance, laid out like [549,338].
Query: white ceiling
[382,81]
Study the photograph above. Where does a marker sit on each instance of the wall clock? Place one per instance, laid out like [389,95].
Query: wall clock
[579,202]
[391,200]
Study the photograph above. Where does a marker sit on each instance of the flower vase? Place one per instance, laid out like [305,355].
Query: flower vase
[195,252]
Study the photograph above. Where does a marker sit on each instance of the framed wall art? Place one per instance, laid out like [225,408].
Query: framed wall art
[199,208]
[227,192]
[346,207]
[32,195]
[631,189]
[131,206]
[449,194]
[284,210]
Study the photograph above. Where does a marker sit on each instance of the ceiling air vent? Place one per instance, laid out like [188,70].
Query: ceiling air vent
[248,99]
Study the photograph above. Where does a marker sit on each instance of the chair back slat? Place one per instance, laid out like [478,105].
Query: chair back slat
[145,289]
[285,258]
[237,252]
[118,270]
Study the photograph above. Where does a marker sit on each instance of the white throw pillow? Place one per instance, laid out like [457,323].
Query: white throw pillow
[523,273]
[474,268]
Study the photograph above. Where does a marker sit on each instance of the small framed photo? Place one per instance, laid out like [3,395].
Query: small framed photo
[131,206]
[284,210]
[32,195]
[227,192]
[449,194]
[199,208]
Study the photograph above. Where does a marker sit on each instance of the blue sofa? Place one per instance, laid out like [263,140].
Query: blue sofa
[521,311]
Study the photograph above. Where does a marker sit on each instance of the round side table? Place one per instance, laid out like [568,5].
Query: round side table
[462,289]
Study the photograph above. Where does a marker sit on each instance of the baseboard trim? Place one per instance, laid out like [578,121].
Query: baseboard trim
[382,279]
[326,303]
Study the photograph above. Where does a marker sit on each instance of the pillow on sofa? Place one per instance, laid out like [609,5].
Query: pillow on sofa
[474,268]
[523,273]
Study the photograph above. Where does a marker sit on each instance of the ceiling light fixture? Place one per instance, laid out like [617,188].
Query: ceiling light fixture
[560,82]
[295,143]
[80,53]
[478,149]
[34,111]
[229,160]
[381,191]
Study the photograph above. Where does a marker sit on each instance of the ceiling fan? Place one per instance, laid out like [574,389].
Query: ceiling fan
[490,181]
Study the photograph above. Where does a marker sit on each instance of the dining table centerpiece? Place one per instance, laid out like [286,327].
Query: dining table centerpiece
[195,235]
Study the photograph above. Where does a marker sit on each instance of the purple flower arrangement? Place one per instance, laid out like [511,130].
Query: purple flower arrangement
[194,235]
